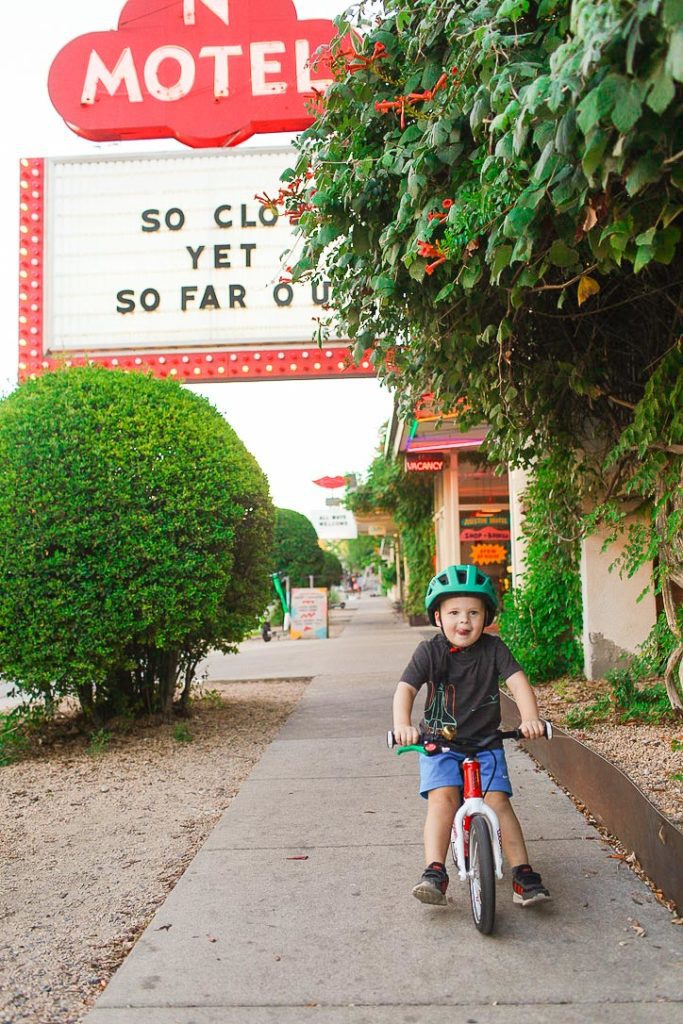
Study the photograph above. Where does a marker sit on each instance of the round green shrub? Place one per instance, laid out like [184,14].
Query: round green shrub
[297,552]
[135,535]
[332,571]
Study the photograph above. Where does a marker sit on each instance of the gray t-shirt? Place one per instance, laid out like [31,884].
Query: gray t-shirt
[462,686]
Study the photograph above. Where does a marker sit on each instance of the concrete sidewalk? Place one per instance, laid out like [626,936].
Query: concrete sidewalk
[298,906]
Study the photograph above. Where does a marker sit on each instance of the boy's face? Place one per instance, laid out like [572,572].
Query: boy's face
[462,619]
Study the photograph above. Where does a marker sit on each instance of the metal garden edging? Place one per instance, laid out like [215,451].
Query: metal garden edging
[614,801]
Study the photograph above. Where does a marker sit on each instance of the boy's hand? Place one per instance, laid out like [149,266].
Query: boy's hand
[533,728]
[405,735]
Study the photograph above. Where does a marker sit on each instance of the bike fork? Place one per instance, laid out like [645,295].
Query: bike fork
[473,803]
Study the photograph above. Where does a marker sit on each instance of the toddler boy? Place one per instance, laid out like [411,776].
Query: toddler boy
[461,666]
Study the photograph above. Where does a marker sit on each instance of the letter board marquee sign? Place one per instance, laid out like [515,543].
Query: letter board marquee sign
[167,263]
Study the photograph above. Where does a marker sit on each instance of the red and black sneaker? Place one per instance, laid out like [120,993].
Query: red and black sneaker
[527,887]
[432,886]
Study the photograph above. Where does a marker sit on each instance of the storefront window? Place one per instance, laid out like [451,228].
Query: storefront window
[479,485]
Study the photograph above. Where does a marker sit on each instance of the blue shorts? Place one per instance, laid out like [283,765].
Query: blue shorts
[444,770]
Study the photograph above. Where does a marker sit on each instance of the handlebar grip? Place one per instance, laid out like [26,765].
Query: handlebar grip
[547,731]
[517,734]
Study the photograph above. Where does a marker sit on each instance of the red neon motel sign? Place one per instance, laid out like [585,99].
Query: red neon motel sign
[429,462]
[205,72]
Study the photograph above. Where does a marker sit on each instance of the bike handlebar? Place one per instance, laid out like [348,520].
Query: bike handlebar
[463,746]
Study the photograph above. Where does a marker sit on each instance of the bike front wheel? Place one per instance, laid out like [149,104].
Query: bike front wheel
[482,875]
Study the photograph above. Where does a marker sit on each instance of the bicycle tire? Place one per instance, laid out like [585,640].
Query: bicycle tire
[482,877]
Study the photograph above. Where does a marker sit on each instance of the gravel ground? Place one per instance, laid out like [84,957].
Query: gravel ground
[92,842]
[651,755]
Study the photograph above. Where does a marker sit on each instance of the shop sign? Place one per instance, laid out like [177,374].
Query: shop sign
[334,523]
[205,72]
[484,528]
[309,613]
[488,554]
[428,462]
[485,537]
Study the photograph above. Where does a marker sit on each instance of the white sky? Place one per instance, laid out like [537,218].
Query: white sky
[298,431]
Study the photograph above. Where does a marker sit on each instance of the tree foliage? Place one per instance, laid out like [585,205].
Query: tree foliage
[357,553]
[332,571]
[297,552]
[409,499]
[135,535]
[541,620]
[494,189]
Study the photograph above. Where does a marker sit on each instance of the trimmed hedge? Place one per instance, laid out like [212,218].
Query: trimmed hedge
[135,535]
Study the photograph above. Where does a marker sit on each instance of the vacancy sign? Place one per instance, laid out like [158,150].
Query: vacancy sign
[168,262]
[206,72]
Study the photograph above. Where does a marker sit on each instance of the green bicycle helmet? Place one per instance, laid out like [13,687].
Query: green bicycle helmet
[465,581]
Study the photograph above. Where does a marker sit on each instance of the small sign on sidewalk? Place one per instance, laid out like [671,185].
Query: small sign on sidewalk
[309,613]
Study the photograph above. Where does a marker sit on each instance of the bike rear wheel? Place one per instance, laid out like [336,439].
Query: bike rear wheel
[482,875]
